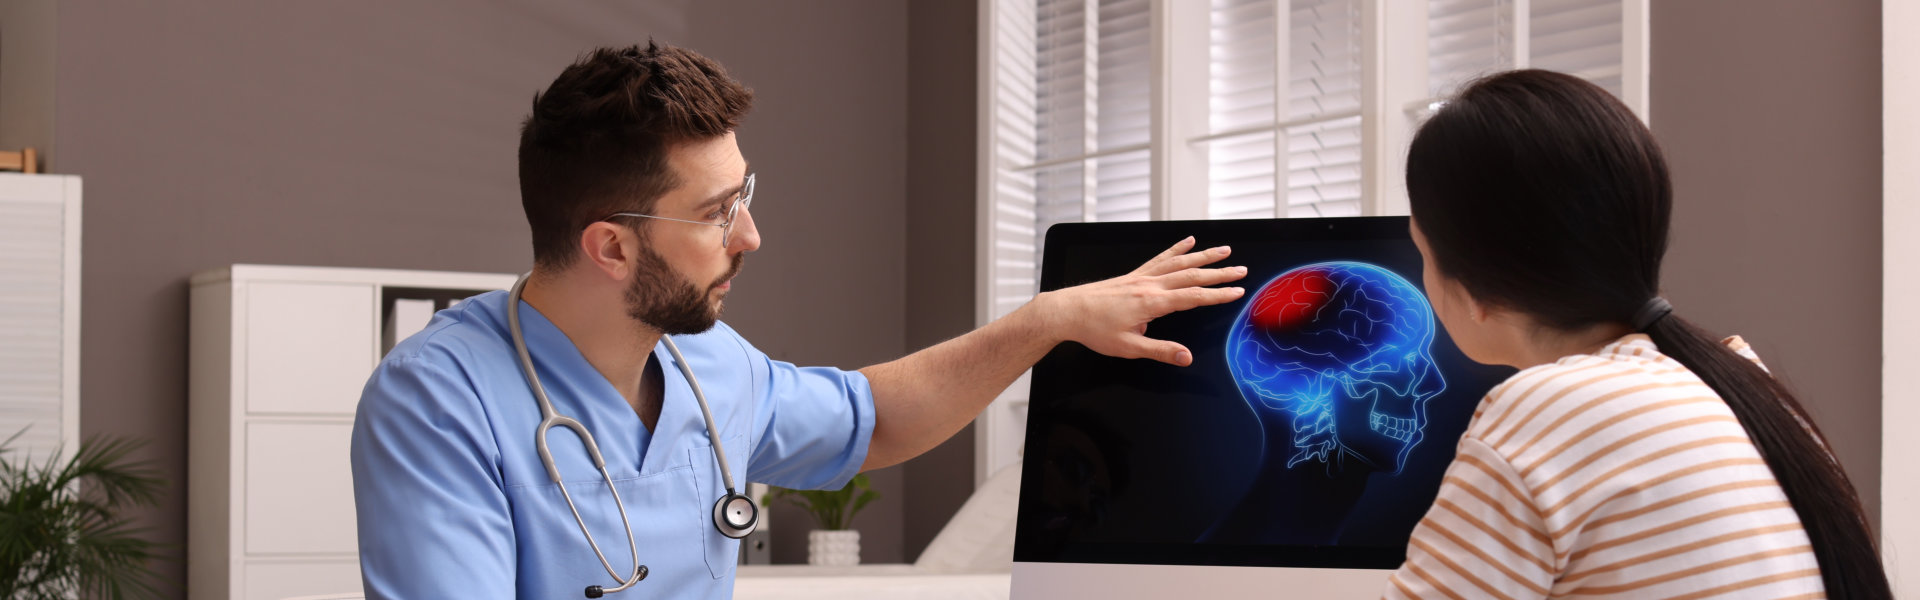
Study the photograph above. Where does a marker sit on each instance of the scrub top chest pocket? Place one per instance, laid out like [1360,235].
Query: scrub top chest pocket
[722,552]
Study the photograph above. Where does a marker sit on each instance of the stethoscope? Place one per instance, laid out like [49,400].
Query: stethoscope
[735,515]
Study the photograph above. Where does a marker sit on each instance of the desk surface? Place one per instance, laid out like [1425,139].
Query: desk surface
[888,581]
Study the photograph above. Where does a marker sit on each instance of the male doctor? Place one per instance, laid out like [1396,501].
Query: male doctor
[640,206]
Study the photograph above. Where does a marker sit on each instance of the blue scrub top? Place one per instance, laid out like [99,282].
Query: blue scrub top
[454,502]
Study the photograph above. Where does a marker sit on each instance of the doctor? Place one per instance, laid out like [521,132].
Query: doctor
[640,206]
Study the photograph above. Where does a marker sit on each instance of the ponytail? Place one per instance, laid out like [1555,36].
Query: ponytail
[1795,450]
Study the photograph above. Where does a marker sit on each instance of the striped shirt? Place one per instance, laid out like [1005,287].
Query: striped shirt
[1617,474]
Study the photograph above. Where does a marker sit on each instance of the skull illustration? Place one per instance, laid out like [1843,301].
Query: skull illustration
[1339,352]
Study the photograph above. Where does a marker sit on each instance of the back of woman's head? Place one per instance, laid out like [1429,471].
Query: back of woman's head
[1541,194]
[1548,195]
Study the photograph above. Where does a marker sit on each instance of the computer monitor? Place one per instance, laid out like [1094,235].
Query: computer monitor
[1294,455]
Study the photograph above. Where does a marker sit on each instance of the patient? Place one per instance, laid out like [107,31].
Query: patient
[1633,455]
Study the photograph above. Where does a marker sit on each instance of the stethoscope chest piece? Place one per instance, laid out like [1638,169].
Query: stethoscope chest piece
[735,515]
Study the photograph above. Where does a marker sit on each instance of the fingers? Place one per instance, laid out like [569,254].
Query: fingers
[1197,297]
[1179,248]
[1201,277]
[1161,265]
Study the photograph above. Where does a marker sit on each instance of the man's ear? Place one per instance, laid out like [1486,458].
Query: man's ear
[609,248]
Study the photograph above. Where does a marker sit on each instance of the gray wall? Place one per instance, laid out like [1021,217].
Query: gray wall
[382,134]
[941,155]
[1769,112]
[26,74]
[828,142]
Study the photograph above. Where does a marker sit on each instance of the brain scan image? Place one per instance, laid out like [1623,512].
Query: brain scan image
[1313,427]
[1335,361]
[1337,355]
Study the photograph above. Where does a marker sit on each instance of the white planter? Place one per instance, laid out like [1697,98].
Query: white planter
[838,548]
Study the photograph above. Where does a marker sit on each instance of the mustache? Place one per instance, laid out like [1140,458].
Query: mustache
[739,260]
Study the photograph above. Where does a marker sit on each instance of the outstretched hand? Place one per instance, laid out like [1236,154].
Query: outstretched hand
[1111,317]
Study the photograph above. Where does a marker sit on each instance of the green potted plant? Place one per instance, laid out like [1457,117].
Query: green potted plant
[834,543]
[63,528]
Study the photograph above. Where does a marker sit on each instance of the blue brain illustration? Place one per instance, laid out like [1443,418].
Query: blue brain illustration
[1341,353]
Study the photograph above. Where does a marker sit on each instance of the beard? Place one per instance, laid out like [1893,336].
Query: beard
[665,301]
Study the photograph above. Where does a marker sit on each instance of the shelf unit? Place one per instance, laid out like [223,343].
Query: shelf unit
[278,356]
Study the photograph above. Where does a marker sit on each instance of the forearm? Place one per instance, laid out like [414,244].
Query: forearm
[924,398]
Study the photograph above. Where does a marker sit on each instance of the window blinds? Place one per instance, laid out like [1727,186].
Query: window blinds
[1071,122]
[1320,148]
[1470,38]
[1580,37]
[1284,97]
[1467,39]
[1012,271]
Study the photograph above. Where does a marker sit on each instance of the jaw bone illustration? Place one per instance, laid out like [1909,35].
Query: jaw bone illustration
[1340,354]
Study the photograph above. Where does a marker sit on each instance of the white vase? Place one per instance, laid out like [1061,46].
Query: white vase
[838,548]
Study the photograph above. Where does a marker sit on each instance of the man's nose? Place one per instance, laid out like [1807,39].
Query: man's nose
[746,234]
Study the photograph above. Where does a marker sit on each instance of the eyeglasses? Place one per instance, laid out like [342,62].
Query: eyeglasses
[732,211]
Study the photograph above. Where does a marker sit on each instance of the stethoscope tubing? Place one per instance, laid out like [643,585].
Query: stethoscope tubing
[550,418]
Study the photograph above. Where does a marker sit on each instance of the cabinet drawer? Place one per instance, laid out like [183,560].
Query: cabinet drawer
[299,489]
[309,346]
[280,580]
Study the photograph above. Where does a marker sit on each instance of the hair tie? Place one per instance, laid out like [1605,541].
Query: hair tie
[1652,312]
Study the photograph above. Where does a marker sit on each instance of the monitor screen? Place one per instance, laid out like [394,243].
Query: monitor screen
[1311,430]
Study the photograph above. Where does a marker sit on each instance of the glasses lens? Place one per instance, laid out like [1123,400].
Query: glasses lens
[733,213]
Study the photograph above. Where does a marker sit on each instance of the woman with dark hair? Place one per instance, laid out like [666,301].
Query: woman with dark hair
[1633,455]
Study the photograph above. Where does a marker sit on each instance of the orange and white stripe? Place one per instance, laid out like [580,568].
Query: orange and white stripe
[1615,474]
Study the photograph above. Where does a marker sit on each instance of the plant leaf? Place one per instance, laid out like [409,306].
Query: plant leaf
[63,531]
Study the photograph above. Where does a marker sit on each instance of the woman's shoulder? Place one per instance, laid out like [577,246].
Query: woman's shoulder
[1627,377]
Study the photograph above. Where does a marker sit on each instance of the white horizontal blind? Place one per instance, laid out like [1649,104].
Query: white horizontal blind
[1125,107]
[1086,148]
[1465,40]
[1320,118]
[1323,156]
[34,336]
[1470,38]
[1241,72]
[1013,272]
[1066,71]
[1579,37]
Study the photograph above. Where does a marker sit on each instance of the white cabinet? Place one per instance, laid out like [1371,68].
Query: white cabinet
[278,357]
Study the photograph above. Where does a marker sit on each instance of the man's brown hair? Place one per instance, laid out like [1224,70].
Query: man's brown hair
[598,138]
